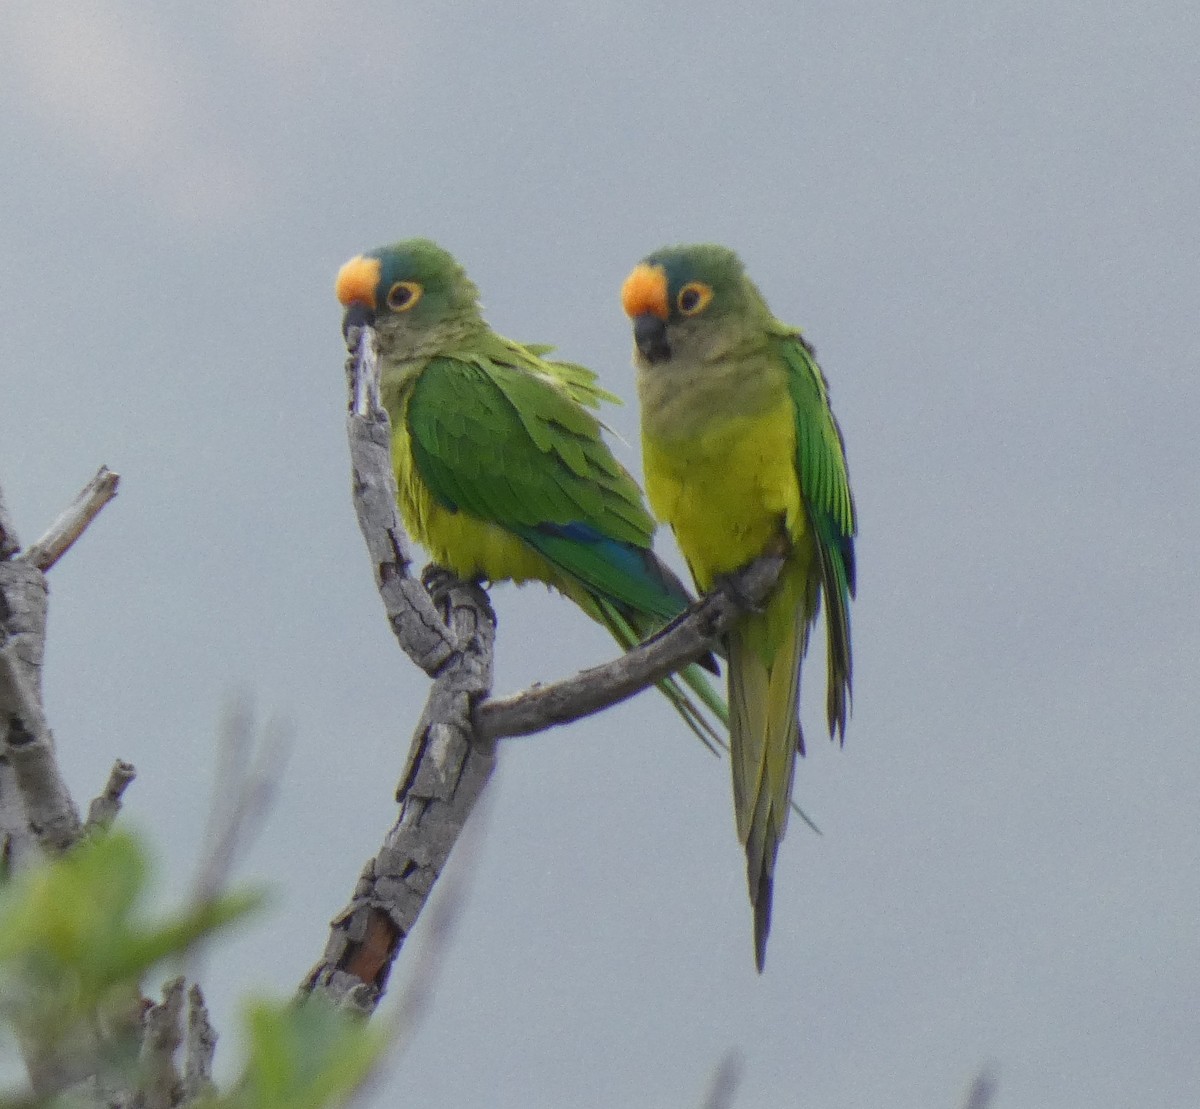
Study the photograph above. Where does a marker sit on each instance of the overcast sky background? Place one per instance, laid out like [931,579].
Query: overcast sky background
[985,217]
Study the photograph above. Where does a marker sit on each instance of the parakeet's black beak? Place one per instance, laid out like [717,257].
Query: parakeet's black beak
[650,335]
[357,315]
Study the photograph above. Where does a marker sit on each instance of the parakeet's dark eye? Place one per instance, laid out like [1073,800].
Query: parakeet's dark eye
[693,298]
[403,295]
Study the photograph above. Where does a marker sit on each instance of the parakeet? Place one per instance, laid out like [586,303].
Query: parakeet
[743,456]
[502,472]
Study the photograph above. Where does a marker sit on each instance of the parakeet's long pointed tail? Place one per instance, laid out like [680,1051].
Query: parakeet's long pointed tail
[765,649]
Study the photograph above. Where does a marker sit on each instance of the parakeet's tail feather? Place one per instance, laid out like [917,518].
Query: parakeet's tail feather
[695,678]
[837,586]
[761,891]
[765,649]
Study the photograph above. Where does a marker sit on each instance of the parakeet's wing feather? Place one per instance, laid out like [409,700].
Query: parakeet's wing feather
[580,382]
[511,447]
[825,486]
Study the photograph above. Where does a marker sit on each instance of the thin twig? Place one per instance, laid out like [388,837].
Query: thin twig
[249,769]
[589,691]
[72,523]
[103,809]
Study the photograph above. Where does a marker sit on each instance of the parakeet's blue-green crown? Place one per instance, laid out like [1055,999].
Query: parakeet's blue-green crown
[708,262]
[684,282]
[414,280]
[443,281]
[424,261]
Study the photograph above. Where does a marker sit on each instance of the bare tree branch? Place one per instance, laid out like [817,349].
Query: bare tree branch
[22,637]
[418,627]
[37,813]
[415,999]
[445,775]
[159,1083]
[36,808]
[72,523]
[446,769]
[200,1048]
[248,772]
[28,747]
[452,755]
[589,691]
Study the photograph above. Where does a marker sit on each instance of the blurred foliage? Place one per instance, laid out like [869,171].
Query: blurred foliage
[74,938]
[76,943]
[305,1057]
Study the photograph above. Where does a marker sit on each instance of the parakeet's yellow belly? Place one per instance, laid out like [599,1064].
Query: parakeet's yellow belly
[729,490]
[470,547]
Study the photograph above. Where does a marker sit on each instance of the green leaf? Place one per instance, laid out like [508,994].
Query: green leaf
[73,934]
[306,1056]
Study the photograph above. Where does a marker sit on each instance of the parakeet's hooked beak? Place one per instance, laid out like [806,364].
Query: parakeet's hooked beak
[357,281]
[650,335]
[644,298]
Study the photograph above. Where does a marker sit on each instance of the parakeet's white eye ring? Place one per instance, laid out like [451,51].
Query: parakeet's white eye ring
[693,298]
[403,295]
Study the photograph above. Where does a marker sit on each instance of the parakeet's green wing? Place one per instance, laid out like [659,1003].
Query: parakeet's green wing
[508,446]
[580,382]
[825,485]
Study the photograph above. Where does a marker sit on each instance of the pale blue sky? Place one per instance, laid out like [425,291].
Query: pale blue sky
[985,217]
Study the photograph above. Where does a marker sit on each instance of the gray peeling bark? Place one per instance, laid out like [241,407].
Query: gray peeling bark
[38,818]
[36,809]
[446,772]
[26,757]
[448,628]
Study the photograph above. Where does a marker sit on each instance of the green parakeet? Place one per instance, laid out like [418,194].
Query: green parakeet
[742,456]
[501,471]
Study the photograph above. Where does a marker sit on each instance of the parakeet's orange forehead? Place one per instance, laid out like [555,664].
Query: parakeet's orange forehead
[645,291]
[357,281]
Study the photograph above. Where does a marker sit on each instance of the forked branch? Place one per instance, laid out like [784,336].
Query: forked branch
[447,628]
